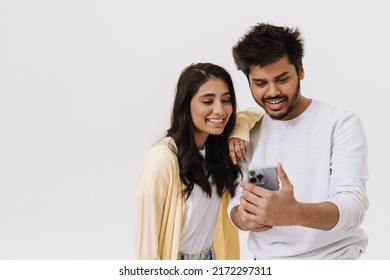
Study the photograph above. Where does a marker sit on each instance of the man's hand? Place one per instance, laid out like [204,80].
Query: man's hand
[261,209]
[265,207]
[246,221]
[237,149]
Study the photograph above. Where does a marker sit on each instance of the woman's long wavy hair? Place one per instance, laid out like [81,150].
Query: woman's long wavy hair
[216,167]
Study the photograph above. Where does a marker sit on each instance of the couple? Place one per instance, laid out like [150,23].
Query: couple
[189,188]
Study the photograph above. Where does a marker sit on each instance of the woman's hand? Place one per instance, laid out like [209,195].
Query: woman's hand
[237,149]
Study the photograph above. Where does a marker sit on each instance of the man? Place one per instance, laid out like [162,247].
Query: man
[318,210]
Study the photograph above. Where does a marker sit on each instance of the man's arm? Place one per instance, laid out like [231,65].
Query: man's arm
[323,215]
[280,208]
[349,173]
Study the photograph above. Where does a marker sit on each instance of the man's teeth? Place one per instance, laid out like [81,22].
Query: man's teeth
[215,120]
[275,101]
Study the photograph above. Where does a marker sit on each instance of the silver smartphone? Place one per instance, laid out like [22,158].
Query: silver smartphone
[264,177]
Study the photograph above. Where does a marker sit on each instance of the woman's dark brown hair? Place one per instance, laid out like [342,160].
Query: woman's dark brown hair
[216,167]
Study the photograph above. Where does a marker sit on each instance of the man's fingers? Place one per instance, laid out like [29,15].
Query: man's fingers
[283,177]
[251,221]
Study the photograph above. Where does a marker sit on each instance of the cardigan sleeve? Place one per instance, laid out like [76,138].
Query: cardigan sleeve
[153,182]
[246,120]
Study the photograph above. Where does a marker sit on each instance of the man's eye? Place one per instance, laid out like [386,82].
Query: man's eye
[281,81]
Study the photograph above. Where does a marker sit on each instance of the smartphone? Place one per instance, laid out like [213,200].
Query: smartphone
[264,177]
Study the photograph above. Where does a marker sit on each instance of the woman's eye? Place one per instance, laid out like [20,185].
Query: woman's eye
[226,101]
[207,102]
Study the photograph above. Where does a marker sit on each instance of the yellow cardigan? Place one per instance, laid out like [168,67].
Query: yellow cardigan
[246,120]
[161,210]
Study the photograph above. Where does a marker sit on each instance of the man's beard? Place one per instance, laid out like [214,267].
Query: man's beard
[290,103]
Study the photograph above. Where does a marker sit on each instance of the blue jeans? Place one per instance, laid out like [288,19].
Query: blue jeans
[208,254]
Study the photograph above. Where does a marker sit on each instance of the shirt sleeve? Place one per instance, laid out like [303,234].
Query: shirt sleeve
[246,120]
[152,187]
[349,173]
[235,200]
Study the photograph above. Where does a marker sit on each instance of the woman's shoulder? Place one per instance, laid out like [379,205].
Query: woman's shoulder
[166,145]
[163,151]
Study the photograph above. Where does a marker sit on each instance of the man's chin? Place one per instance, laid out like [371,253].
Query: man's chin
[277,115]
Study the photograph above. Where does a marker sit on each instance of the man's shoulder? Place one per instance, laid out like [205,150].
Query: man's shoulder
[339,119]
[332,111]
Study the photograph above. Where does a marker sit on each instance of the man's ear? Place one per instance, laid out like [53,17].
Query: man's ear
[301,73]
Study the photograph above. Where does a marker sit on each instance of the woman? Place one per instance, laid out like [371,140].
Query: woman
[187,178]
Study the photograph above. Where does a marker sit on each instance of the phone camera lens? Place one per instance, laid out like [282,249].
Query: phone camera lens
[252,180]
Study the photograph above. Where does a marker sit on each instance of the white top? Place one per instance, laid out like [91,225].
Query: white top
[200,219]
[324,153]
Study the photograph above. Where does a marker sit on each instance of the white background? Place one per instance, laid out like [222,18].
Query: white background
[86,88]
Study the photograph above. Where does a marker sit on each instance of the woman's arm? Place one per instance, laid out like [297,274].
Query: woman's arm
[152,184]
[239,138]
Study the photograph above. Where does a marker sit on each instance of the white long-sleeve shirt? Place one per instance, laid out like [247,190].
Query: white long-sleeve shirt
[324,153]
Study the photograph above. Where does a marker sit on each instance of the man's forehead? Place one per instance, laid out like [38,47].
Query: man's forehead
[270,71]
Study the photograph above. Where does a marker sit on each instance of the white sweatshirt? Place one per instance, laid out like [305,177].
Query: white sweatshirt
[324,153]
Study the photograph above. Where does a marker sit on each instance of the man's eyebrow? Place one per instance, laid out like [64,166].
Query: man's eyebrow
[277,77]
[258,80]
[281,75]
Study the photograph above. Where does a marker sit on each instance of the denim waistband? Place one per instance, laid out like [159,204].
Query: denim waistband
[208,254]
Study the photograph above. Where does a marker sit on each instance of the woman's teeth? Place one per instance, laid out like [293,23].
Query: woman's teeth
[215,120]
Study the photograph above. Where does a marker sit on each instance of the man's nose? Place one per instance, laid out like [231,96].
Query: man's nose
[273,90]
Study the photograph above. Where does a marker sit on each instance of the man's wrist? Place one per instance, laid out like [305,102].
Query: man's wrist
[235,215]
